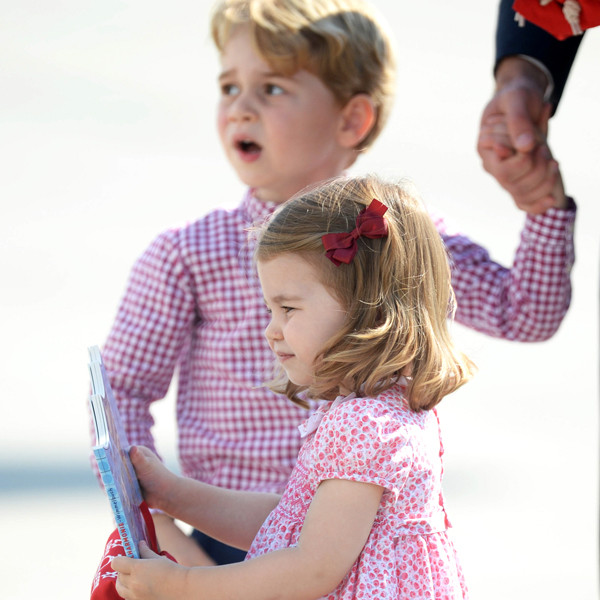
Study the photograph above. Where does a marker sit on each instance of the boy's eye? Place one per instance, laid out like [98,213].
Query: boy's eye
[229,89]
[273,90]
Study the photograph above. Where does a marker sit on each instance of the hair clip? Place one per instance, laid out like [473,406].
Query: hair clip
[342,247]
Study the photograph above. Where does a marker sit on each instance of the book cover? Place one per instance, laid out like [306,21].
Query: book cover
[112,456]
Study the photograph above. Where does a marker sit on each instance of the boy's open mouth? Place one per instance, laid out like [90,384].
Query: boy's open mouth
[248,147]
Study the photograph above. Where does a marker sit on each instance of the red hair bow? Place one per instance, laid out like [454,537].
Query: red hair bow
[342,247]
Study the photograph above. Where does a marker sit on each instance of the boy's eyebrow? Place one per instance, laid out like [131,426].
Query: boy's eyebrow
[266,74]
[225,74]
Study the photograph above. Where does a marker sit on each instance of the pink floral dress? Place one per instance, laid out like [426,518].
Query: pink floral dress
[408,553]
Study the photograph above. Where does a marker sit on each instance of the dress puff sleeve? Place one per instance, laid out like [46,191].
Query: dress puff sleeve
[363,440]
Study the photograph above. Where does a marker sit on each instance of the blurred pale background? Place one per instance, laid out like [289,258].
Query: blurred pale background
[107,137]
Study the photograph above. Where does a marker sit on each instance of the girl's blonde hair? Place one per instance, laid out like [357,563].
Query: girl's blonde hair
[396,291]
[342,42]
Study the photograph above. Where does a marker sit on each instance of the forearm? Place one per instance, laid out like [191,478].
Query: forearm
[182,547]
[334,532]
[289,574]
[527,302]
[231,516]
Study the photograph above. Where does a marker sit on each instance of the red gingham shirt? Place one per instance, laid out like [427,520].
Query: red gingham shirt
[193,303]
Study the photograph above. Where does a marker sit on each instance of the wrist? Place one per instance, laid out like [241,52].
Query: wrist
[520,69]
[159,515]
[176,495]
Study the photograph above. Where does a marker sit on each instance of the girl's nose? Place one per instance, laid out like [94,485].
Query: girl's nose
[273,332]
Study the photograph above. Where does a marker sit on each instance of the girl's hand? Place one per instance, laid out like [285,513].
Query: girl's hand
[157,482]
[152,577]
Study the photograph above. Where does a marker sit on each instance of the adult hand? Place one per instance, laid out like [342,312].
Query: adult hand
[519,98]
[526,115]
[532,179]
[512,138]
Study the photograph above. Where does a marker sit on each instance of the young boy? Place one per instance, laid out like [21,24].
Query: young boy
[306,87]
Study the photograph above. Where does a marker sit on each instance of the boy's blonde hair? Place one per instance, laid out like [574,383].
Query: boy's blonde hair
[342,42]
[396,291]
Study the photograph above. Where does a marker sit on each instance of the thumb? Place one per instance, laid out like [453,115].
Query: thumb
[522,132]
[141,457]
[526,121]
[145,551]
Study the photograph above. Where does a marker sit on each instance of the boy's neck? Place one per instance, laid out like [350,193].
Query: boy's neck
[269,196]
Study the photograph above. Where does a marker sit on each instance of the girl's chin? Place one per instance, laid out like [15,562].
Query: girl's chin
[301,381]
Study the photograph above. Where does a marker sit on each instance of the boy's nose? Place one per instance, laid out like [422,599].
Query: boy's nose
[242,109]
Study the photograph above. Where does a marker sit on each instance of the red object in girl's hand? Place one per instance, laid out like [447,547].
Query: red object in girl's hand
[105,580]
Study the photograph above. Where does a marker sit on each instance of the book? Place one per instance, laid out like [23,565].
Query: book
[112,456]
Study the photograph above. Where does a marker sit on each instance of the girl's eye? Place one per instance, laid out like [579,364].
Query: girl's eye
[273,90]
[287,309]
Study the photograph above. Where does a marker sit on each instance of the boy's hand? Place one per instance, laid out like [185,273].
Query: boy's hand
[531,178]
[152,577]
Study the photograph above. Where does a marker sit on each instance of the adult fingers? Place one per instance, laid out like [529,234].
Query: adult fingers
[522,119]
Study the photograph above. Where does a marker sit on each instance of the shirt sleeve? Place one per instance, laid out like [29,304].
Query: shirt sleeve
[152,326]
[526,302]
[531,40]
[364,444]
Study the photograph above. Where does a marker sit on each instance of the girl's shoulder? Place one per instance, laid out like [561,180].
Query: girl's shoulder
[372,434]
[390,404]
[389,409]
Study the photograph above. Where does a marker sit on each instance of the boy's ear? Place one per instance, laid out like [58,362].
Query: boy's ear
[358,118]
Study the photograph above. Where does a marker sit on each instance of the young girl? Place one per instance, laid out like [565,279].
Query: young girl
[356,280]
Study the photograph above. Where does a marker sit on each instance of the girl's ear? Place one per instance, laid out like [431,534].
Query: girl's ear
[358,118]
